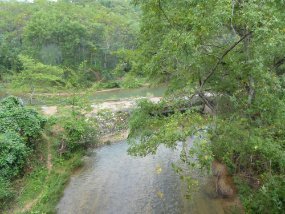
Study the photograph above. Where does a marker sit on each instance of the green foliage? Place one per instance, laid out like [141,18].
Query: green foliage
[37,75]
[242,147]
[107,85]
[6,191]
[19,128]
[150,127]
[65,34]
[58,37]
[44,185]
[270,198]
[79,133]
[16,118]
[130,81]
[230,55]
[9,60]
[13,154]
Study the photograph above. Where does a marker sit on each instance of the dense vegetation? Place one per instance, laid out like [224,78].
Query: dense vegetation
[64,45]
[19,130]
[49,46]
[230,56]
[26,141]
[222,57]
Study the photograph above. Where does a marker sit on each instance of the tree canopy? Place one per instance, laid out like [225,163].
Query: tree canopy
[230,55]
[67,34]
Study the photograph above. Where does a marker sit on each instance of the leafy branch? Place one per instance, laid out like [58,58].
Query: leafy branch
[222,57]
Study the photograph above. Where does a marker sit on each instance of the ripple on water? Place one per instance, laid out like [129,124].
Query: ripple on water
[116,183]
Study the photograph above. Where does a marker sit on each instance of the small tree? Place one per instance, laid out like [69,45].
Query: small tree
[37,76]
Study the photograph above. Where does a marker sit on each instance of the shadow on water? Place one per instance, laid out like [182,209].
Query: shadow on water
[112,182]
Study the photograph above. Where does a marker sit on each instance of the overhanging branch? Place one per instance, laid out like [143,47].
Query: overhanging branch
[222,57]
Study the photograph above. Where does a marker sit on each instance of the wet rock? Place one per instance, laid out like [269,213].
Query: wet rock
[219,169]
[224,187]
[224,184]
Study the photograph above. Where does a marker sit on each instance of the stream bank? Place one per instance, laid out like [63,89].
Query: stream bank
[164,188]
[112,123]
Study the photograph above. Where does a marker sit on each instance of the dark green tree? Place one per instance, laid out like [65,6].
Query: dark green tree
[227,54]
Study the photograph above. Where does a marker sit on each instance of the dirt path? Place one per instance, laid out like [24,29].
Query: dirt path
[49,155]
[29,205]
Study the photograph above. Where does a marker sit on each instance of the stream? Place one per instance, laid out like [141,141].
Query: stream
[113,182]
[52,99]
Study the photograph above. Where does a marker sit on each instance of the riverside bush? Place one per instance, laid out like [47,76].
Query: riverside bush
[15,117]
[78,133]
[13,153]
[19,129]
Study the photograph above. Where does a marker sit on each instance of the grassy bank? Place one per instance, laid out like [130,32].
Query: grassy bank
[40,190]
[57,154]
[38,155]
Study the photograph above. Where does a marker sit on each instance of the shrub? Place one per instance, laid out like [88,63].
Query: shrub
[19,126]
[270,198]
[37,75]
[247,150]
[13,153]
[79,133]
[130,81]
[15,117]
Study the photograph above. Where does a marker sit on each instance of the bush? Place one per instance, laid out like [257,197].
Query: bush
[252,151]
[19,127]
[130,81]
[13,153]
[257,154]
[270,198]
[37,75]
[79,133]
[15,117]
[109,84]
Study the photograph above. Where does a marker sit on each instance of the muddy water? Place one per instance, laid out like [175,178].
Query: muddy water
[112,182]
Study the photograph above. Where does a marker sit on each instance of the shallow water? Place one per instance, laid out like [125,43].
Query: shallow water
[112,182]
[127,93]
[96,97]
